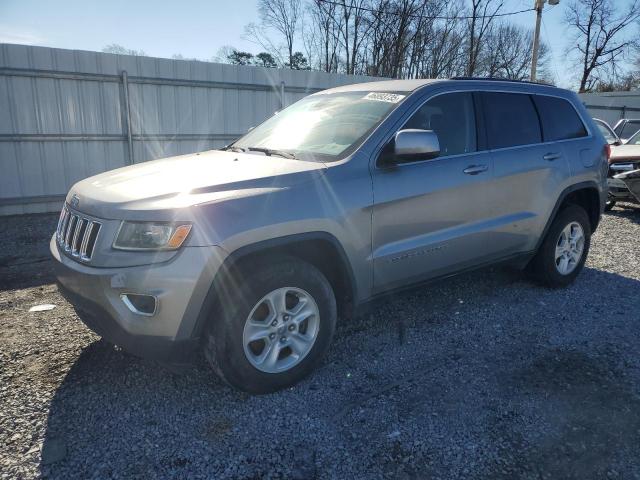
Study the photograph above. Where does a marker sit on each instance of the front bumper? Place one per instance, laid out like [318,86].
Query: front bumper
[617,190]
[180,286]
[632,182]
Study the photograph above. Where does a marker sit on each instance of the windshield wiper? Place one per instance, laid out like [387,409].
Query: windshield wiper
[231,148]
[270,151]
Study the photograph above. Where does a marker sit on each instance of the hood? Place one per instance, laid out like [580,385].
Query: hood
[625,153]
[187,180]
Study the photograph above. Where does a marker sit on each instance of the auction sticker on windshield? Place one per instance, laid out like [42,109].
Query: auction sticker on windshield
[384,97]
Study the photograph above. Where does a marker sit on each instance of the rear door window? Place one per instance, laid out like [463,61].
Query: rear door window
[511,119]
[560,121]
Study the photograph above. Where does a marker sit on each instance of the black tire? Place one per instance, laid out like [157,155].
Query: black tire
[543,266]
[223,345]
[609,205]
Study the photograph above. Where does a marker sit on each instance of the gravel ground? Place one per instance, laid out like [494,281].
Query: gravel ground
[482,376]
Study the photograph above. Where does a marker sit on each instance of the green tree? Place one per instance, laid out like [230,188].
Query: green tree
[236,57]
[298,62]
[264,59]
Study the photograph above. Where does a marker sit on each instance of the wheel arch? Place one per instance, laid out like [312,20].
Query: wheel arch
[321,249]
[585,195]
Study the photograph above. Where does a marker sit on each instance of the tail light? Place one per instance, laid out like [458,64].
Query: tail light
[607,152]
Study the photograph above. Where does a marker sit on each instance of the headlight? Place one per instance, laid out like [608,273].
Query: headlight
[151,235]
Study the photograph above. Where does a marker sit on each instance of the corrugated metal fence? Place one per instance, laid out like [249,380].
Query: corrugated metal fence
[613,106]
[67,114]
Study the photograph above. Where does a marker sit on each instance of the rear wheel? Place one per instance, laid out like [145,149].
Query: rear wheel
[274,329]
[564,250]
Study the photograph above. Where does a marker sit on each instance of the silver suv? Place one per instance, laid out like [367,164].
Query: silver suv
[253,252]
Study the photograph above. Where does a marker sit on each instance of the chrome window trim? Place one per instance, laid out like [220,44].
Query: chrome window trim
[483,89]
[436,159]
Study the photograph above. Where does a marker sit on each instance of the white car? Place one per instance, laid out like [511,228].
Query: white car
[624,158]
[607,132]
[626,128]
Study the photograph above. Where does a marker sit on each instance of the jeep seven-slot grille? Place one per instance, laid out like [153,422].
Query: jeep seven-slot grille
[77,234]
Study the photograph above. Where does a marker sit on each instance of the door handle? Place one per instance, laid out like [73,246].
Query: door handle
[475,169]
[550,157]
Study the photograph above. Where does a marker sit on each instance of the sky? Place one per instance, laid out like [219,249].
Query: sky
[193,28]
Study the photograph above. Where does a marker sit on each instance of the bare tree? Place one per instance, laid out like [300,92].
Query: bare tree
[354,30]
[483,12]
[407,38]
[623,82]
[223,53]
[600,36]
[120,50]
[282,16]
[446,53]
[323,35]
[508,53]
[394,34]
[179,56]
[259,35]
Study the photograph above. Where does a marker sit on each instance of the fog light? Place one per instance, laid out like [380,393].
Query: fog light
[140,304]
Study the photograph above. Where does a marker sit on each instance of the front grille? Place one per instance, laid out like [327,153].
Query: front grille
[77,234]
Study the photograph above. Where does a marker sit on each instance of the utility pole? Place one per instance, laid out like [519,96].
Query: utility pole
[536,35]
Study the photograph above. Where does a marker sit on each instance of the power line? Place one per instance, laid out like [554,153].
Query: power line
[429,17]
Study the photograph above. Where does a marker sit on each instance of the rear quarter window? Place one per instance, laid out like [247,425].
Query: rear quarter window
[560,121]
[511,119]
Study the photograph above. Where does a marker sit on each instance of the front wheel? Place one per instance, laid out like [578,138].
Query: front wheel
[274,329]
[564,250]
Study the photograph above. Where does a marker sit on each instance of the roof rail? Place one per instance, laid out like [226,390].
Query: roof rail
[499,79]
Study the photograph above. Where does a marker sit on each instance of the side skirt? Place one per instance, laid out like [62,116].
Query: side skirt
[518,261]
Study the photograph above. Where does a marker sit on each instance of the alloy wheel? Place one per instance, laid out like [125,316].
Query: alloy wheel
[281,329]
[569,248]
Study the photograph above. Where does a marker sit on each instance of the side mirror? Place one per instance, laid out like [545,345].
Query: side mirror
[414,144]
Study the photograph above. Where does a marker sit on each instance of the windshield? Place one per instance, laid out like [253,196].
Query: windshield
[323,127]
[606,132]
[635,140]
[629,129]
